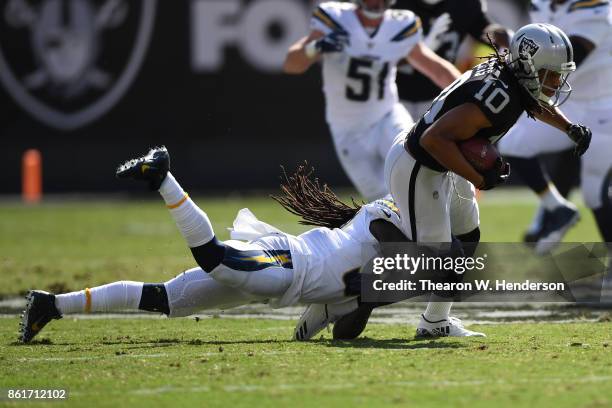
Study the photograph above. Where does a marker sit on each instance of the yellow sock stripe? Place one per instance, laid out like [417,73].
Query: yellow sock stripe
[87,300]
[177,205]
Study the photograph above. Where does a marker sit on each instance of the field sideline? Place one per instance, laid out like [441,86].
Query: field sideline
[219,362]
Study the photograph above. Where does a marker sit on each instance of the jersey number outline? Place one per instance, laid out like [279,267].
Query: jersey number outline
[361,70]
[492,95]
[489,101]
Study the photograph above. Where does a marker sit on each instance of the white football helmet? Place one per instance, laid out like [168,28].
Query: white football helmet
[537,47]
[374,13]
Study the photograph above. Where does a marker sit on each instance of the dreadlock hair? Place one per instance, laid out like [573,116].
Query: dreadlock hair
[317,205]
[529,103]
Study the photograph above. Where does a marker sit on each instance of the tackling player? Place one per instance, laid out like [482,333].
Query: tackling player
[314,267]
[360,46]
[588,23]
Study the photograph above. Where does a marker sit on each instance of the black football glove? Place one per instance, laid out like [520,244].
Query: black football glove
[581,135]
[332,42]
[495,176]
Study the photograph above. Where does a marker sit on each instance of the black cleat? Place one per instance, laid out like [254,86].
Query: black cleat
[350,326]
[40,310]
[532,236]
[152,168]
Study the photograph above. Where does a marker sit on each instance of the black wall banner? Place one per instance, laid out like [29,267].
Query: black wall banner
[93,82]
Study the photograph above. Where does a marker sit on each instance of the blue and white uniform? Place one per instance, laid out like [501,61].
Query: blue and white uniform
[362,105]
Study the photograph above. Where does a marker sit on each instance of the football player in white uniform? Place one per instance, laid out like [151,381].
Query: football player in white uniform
[360,45]
[588,24]
[259,263]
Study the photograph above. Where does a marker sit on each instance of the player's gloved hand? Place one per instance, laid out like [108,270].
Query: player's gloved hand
[495,176]
[581,135]
[332,42]
[439,26]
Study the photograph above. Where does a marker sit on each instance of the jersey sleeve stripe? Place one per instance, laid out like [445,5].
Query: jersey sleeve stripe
[325,18]
[408,31]
[586,4]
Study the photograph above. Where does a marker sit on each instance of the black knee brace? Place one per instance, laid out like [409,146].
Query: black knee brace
[154,298]
[209,255]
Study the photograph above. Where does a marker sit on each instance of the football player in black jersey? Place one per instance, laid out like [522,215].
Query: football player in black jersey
[485,102]
[445,24]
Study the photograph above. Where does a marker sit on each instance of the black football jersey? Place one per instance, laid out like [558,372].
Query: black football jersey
[468,18]
[489,86]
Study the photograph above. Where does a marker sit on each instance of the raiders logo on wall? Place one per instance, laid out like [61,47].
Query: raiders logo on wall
[68,62]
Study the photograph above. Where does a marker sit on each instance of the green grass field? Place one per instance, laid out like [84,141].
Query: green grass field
[68,245]
[248,362]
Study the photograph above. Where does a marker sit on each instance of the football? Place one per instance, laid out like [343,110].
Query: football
[481,153]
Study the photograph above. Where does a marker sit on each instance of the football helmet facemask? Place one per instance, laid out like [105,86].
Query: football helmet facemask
[539,53]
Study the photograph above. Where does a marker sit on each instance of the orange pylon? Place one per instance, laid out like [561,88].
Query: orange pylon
[31,176]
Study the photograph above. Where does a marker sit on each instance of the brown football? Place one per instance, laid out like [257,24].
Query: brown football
[481,153]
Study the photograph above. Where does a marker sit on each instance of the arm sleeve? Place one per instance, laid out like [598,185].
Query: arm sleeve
[323,20]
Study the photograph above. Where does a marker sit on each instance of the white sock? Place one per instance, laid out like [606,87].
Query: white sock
[122,295]
[438,308]
[190,219]
[552,199]
[536,223]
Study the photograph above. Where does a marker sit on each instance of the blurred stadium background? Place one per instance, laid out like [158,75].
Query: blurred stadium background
[201,76]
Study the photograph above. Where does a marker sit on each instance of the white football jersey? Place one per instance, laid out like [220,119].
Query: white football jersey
[590,19]
[359,83]
[322,256]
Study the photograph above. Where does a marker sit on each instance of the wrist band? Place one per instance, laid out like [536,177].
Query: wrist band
[311,49]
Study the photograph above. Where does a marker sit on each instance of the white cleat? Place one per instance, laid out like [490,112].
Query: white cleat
[451,327]
[316,317]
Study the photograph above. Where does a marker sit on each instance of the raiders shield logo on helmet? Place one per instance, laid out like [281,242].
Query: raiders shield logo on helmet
[68,62]
[528,46]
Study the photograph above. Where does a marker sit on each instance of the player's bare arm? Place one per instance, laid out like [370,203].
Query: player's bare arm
[436,68]
[298,60]
[440,140]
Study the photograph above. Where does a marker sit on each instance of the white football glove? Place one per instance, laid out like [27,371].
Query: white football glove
[438,27]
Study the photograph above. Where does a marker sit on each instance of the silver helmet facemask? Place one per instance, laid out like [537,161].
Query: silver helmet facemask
[542,49]
[374,14]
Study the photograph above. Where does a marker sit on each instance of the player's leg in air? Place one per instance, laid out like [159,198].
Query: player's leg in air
[230,272]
